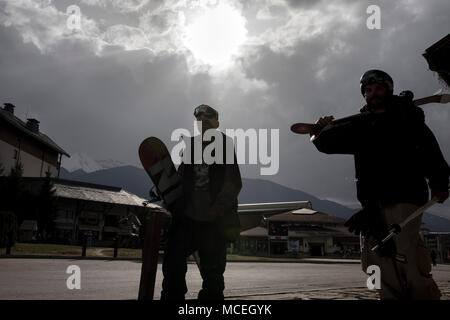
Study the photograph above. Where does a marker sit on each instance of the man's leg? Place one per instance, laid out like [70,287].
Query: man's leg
[415,272]
[174,263]
[213,254]
[391,285]
[420,281]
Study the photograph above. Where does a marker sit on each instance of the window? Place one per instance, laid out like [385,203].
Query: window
[278,228]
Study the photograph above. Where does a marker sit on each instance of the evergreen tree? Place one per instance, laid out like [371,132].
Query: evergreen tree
[13,189]
[8,229]
[10,192]
[46,209]
[2,188]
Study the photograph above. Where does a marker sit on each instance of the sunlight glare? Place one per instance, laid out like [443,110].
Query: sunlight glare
[215,36]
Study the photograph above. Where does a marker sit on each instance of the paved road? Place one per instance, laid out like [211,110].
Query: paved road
[46,279]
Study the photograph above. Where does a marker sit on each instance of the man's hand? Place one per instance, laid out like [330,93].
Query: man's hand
[217,209]
[440,195]
[322,123]
[358,223]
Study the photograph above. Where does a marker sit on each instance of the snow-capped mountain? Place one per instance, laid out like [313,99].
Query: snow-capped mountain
[86,163]
[110,163]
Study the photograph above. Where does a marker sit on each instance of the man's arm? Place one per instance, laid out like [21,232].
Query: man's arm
[341,137]
[231,188]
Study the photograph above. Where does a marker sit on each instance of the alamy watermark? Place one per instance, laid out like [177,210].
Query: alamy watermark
[220,150]
[374,20]
[74,280]
[74,20]
[374,280]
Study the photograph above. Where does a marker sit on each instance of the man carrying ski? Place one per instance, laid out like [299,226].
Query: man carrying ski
[395,155]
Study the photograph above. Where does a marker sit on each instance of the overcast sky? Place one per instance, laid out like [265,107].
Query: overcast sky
[137,68]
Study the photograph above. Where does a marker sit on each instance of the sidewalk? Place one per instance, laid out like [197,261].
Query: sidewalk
[356,293]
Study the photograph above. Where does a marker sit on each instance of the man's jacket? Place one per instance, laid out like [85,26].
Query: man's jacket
[225,184]
[395,153]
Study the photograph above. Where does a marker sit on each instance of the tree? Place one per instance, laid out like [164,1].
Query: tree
[8,228]
[15,197]
[2,187]
[46,208]
[12,189]
[8,220]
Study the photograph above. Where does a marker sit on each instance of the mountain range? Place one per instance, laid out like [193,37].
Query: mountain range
[135,180]
[82,161]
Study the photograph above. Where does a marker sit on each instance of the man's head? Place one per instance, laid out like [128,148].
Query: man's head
[376,86]
[208,116]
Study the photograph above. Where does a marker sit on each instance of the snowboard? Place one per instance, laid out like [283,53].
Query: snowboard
[158,164]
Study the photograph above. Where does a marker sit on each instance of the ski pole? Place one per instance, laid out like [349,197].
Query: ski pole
[397,229]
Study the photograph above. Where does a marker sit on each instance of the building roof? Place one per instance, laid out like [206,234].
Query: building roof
[255,232]
[306,216]
[437,58]
[70,189]
[439,233]
[273,206]
[38,136]
[302,233]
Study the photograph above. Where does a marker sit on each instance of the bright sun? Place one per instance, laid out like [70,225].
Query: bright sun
[215,36]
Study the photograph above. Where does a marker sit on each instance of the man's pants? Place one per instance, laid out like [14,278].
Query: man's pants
[185,237]
[402,280]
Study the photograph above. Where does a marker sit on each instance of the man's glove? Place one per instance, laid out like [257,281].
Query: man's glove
[368,222]
[407,95]
[360,222]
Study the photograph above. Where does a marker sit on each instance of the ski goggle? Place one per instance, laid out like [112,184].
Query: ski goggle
[206,111]
[376,76]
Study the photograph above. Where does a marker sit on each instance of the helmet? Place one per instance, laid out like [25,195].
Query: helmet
[207,111]
[211,115]
[376,76]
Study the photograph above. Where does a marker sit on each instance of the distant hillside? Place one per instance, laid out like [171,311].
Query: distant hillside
[82,161]
[135,180]
[257,190]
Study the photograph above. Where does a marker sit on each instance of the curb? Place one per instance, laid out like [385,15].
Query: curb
[317,261]
[66,257]
[299,261]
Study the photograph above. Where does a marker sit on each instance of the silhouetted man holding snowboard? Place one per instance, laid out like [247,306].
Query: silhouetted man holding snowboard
[208,220]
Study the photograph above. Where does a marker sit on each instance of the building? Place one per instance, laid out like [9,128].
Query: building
[101,213]
[295,229]
[23,142]
[437,58]
[250,214]
[439,242]
[28,230]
